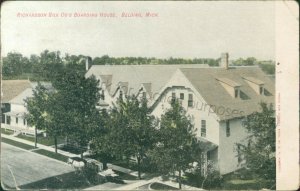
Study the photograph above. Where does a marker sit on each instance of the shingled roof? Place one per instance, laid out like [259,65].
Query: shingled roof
[205,81]
[20,99]
[136,75]
[12,88]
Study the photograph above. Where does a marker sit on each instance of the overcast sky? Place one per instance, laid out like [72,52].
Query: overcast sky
[182,29]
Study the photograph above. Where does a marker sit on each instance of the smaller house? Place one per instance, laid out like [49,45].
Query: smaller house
[14,94]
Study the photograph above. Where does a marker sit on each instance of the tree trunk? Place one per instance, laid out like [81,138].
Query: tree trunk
[139,169]
[179,179]
[35,141]
[81,154]
[202,186]
[55,143]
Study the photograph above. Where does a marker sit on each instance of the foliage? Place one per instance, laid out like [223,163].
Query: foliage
[73,106]
[43,67]
[129,131]
[15,64]
[177,146]
[259,152]
[268,68]
[37,109]
[250,61]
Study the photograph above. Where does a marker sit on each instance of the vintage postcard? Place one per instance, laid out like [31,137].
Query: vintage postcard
[150,95]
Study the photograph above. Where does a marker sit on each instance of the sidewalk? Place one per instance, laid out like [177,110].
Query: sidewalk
[158,180]
[114,167]
[124,170]
[40,146]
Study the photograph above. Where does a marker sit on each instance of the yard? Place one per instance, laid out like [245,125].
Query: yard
[17,144]
[7,131]
[53,155]
[48,141]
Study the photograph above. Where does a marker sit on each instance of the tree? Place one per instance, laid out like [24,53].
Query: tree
[76,100]
[259,152]
[177,142]
[13,64]
[130,130]
[50,63]
[36,107]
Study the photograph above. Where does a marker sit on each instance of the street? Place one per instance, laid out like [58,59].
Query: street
[20,167]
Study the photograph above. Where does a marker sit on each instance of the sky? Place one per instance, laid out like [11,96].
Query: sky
[192,29]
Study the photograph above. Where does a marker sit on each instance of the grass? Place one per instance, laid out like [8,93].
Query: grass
[53,155]
[17,144]
[159,186]
[66,181]
[247,184]
[48,141]
[125,176]
[7,131]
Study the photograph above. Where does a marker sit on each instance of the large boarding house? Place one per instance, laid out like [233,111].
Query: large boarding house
[216,98]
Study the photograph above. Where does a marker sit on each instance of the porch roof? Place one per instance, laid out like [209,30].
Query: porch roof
[207,145]
[13,113]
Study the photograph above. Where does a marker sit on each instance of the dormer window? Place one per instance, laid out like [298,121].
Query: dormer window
[230,86]
[236,92]
[256,84]
[261,90]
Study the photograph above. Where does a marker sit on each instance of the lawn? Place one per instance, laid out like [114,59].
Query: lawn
[125,176]
[66,181]
[159,186]
[247,184]
[48,141]
[7,131]
[156,186]
[17,144]
[53,155]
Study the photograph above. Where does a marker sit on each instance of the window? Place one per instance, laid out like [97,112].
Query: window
[8,120]
[208,155]
[190,101]
[24,122]
[17,119]
[173,97]
[239,154]
[261,90]
[144,94]
[227,129]
[203,128]
[182,96]
[103,95]
[236,93]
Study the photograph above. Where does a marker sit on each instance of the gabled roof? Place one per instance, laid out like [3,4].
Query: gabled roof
[147,87]
[12,88]
[19,99]
[229,82]
[136,75]
[254,80]
[205,81]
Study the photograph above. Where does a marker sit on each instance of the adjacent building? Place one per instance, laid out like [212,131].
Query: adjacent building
[13,109]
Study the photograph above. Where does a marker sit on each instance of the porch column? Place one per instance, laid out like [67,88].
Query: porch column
[5,119]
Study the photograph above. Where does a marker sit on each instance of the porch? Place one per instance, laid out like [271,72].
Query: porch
[20,129]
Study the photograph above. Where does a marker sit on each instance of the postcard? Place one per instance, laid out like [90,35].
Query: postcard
[150,95]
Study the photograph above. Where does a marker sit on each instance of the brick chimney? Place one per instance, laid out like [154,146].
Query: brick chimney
[88,63]
[224,60]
